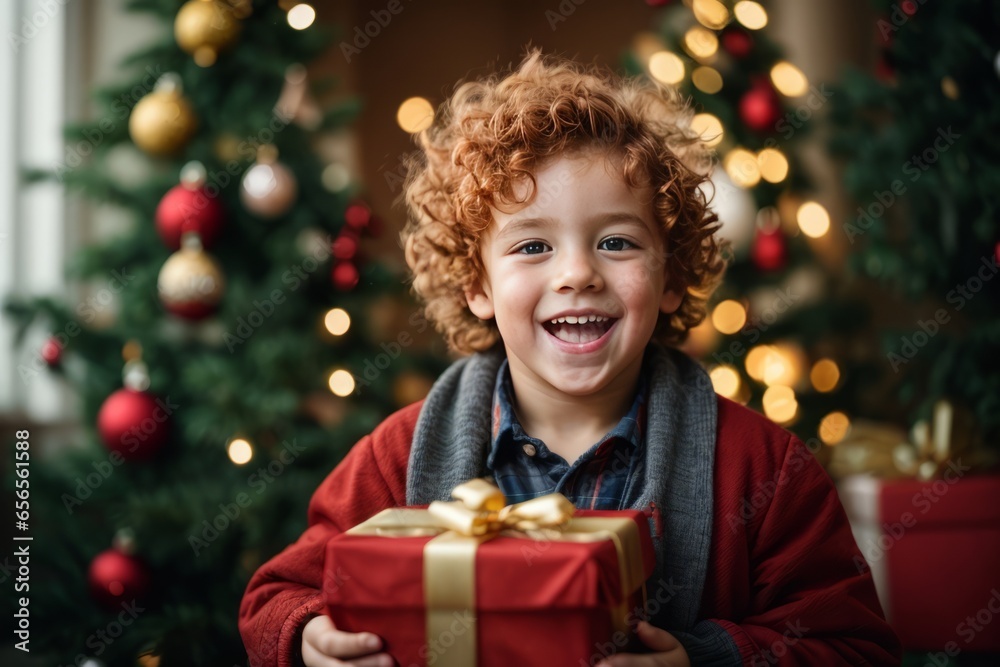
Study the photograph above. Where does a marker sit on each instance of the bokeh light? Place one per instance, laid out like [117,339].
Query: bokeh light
[750,14]
[707,80]
[725,381]
[729,316]
[301,16]
[813,219]
[341,383]
[666,67]
[415,115]
[834,427]
[825,375]
[708,127]
[773,165]
[789,79]
[780,405]
[337,321]
[741,165]
[240,451]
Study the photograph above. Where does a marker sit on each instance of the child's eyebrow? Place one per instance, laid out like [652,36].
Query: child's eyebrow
[525,224]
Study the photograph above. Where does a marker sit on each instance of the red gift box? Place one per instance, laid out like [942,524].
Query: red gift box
[537,602]
[934,551]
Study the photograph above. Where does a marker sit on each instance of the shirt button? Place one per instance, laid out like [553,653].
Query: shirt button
[529,449]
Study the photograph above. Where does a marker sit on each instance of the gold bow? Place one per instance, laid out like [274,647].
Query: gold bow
[481,509]
[480,514]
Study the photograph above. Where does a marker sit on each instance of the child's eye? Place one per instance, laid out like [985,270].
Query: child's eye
[617,243]
[536,245]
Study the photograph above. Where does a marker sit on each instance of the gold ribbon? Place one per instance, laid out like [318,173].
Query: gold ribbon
[479,515]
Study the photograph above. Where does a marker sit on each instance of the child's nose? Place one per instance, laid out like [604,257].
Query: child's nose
[577,271]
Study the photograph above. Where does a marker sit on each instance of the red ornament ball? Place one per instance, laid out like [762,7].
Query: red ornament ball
[345,247]
[759,108]
[185,209]
[769,251]
[358,216]
[345,276]
[116,578]
[52,352]
[996,252]
[135,424]
[737,43]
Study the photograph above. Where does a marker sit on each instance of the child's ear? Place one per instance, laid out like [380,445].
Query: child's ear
[480,301]
[671,299]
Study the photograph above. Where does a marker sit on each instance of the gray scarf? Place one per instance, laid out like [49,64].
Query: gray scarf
[452,440]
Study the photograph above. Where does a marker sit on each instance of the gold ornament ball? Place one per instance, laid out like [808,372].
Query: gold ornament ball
[162,122]
[205,27]
[191,283]
[269,190]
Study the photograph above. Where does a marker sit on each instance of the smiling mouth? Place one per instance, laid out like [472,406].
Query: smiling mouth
[579,333]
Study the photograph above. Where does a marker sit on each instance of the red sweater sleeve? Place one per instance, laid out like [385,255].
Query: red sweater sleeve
[285,592]
[807,601]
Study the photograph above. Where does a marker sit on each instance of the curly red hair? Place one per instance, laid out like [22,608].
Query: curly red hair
[494,133]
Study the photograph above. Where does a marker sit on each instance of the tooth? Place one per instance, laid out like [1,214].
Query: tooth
[571,319]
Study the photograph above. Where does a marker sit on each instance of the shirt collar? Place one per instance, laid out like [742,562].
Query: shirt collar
[507,429]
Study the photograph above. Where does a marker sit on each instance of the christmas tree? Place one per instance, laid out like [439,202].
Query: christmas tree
[781,329]
[240,358]
[919,141]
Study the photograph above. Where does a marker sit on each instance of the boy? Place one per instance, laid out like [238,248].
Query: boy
[558,236]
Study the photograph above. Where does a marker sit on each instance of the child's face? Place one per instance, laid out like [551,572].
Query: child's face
[586,245]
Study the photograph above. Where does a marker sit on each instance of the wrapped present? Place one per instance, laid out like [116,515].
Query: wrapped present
[926,515]
[933,547]
[478,582]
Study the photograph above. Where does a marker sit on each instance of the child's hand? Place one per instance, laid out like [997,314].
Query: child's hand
[669,652]
[322,644]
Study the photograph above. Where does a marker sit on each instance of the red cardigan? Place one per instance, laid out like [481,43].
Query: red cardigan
[781,575]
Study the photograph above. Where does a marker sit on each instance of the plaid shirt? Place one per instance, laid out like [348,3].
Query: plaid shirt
[525,468]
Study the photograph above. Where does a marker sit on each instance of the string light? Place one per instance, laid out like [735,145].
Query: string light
[708,127]
[834,427]
[337,321]
[729,316]
[824,375]
[707,80]
[711,13]
[240,451]
[775,364]
[741,165]
[725,381]
[773,165]
[813,219]
[750,14]
[301,16]
[415,115]
[666,67]
[341,383]
[789,79]
[755,361]
[783,365]
[780,405]
[701,43]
